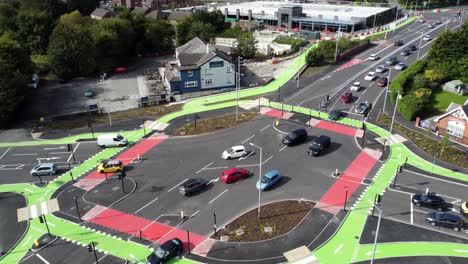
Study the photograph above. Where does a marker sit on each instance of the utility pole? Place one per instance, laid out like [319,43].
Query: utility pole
[394,111]
[237,88]
[420,44]
[386,89]
[373,26]
[337,40]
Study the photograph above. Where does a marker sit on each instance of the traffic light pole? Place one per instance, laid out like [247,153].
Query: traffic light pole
[95,254]
[45,222]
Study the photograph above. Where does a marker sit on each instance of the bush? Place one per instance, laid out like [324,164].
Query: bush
[409,106]
[402,82]
[419,81]
[295,43]
[233,32]
[41,64]
[423,94]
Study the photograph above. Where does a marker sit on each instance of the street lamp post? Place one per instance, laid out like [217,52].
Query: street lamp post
[108,104]
[298,73]
[376,232]
[420,43]
[373,27]
[394,111]
[345,199]
[259,176]
[386,89]
[337,40]
[237,88]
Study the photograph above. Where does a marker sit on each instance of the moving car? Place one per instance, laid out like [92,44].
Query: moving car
[421,20]
[166,251]
[44,169]
[446,220]
[464,208]
[233,175]
[335,115]
[110,166]
[318,145]
[34,81]
[429,200]
[380,69]
[355,87]
[121,70]
[370,76]
[111,140]
[297,136]
[382,81]
[398,43]
[405,52]
[362,108]
[373,57]
[400,66]
[427,38]
[431,25]
[346,97]
[192,186]
[88,92]
[268,180]
[391,61]
[412,48]
[234,152]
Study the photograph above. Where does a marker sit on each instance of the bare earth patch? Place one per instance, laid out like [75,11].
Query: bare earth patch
[276,219]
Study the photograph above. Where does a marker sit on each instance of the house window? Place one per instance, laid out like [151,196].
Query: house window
[456,129]
[190,73]
[229,69]
[208,71]
[208,81]
[191,84]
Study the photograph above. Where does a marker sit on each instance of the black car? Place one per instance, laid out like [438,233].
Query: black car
[335,115]
[446,220]
[295,137]
[412,47]
[405,52]
[429,200]
[398,43]
[318,145]
[167,250]
[191,186]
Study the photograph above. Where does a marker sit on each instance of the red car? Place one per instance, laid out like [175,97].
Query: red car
[346,97]
[382,81]
[233,175]
[121,70]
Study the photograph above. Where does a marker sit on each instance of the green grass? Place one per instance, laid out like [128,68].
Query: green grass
[442,100]
[310,71]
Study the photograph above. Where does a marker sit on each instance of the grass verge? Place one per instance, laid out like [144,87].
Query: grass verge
[214,124]
[276,219]
[450,154]
[310,71]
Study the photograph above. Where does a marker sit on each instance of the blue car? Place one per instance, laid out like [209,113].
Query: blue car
[268,180]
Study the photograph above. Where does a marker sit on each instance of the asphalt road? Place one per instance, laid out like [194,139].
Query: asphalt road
[11,231]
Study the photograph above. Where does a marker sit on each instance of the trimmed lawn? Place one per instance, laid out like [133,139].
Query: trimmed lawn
[442,100]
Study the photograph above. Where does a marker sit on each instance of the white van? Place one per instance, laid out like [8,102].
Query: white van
[111,140]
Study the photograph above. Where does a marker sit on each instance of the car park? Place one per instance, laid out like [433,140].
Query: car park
[268,180]
[111,140]
[398,43]
[464,208]
[391,61]
[355,87]
[110,166]
[400,66]
[412,48]
[380,69]
[370,76]
[295,137]
[429,200]
[44,169]
[318,145]
[234,174]
[405,52]
[445,219]
[373,57]
[427,38]
[346,97]
[234,152]
[335,115]
[362,108]
[166,251]
[382,81]
[192,186]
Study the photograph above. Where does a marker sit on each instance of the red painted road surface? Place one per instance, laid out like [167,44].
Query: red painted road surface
[152,231]
[350,179]
[349,64]
[346,130]
[131,154]
[274,113]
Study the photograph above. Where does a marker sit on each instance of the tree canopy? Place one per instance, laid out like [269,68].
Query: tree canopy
[246,45]
[203,24]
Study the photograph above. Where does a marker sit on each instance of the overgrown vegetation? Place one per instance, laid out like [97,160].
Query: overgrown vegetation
[324,54]
[295,43]
[203,24]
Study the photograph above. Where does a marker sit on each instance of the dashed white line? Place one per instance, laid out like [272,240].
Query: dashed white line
[267,160]
[4,153]
[43,259]
[204,168]
[218,196]
[283,148]
[216,168]
[194,214]
[176,185]
[58,153]
[25,154]
[248,139]
[214,180]
[265,128]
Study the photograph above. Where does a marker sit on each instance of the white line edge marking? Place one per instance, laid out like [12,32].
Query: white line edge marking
[4,153]
[144,206]
[248,139]
[177,185]
[41,258]
[73,152]
[261,130]
[218,196]
[267,160]
[25,154]
[204,168]
[283,148]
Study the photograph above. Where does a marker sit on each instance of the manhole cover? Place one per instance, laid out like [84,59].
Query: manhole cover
[267,229]
[115,188]
[224,238]
[239,232]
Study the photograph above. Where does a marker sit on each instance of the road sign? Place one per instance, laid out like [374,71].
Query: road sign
[37,210]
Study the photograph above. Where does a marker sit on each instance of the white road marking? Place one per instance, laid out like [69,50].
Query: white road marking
[176,185]
[411,205]
[73,152]
[12,167]
[368,253]
[434,178]
[214,180]
[26,189]
[460,251]
[216,168]
[51,158]
[58,153]
[326,77]
[62,147]
[194,214]
[26,154]
[338,249]
[267,160]
[218,196]
[144,206]
[248,139]
[248,165]
[4,153]
[250,153]
[283,148]
[204,168]
[27,241]
[265,128]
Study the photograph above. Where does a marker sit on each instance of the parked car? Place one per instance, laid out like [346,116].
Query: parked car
[427,38]
[88,92]
[335,115]
[445,220]
[382,81]
[380,69]
[34,81]
[268,180]
[44,169]
[391,61]
[346,97]
[234,174]
[362,108]
[370,76]
[296,137]
[400,66]
[429,200]
[405,52]
[121,70]
[318,145]
[398,43]
[234,152]
[464,208]
[412,48]
[166,251]
[355,87]
[192,186]
[373,57]
[111,140]
[110,166]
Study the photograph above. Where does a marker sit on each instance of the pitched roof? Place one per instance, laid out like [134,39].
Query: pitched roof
[157,14]
[100,12]
[194,54]
[178,15]
[195,45]
[464,112]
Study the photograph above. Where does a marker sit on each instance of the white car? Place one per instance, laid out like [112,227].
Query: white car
[380,69]
[373,57]
[370,76]
[234,152]
[427,38]
[400,66]
[355,87]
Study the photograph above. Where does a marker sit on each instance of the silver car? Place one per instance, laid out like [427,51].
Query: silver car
[44,169]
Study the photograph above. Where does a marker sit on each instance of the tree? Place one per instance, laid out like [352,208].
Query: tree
[55,8]
[409,106]
[71,47]
[158,36]
[419,81]
[34,29]
[246,45]
[7,17]
[182,30]
[315,57]
[202,30]
[85,7]
[214,18]
[15,74]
